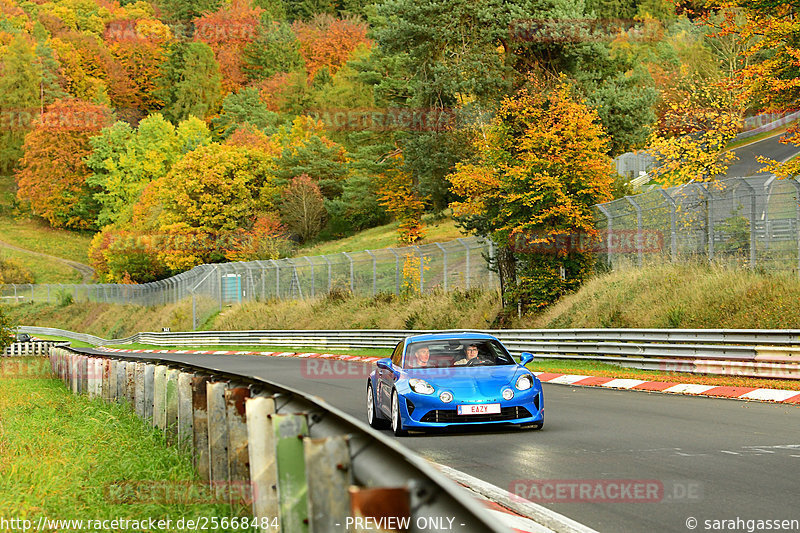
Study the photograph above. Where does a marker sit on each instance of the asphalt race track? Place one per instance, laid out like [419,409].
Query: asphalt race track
[747,164]
[715,459]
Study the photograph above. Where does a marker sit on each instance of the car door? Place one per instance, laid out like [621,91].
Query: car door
[386,380]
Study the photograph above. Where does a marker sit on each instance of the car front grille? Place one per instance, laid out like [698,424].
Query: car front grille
[449,416]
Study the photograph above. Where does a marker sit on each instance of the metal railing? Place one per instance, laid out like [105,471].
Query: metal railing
[308,466]
[763,353]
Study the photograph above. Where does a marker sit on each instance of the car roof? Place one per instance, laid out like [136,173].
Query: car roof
[448,336]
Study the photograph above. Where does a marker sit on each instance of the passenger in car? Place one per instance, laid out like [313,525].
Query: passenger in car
[420,358]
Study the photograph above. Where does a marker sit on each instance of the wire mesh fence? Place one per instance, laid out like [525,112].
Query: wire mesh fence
[744,222]
[461,263]
[747,222]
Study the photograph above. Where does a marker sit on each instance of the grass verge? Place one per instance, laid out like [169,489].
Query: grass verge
[36,235]
[43,269]
[66,457]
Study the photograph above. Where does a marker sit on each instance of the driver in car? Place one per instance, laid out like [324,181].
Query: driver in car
[473,357]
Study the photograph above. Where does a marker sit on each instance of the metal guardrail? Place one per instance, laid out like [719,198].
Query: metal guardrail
[762,353]
[305,462]
[16,349]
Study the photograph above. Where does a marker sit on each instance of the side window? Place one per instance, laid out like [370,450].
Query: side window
[397,355]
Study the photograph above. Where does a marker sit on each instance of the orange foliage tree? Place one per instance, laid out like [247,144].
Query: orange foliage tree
[328,42]
[52,174]
[227,31]
[540,167]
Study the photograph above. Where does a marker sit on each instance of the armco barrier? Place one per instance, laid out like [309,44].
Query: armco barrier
[288,456]
[757,353]
[16,349]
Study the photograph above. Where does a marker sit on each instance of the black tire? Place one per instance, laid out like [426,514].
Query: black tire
[397,421]
[373,413]
[534,426]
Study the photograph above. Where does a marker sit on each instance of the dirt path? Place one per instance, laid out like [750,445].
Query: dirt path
[87,272]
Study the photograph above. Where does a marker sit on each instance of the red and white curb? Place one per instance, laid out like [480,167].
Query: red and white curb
[693,389]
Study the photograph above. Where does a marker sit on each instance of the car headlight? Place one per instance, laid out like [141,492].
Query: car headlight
[508,394]
[421,386]
[524,382]
[446,397]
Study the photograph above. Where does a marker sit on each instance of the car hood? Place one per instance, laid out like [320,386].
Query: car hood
[470,381]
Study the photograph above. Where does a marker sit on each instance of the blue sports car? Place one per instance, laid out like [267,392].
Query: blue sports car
[435,381]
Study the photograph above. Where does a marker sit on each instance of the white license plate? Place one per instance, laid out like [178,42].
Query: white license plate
[479,409]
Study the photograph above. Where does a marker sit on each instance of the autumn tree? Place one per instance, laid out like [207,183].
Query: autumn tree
[52,175]
[190,81]
[124,161]
[19,98]
[328,42]
[692,141]
[540,167]
[302,207]
[275,49]
[228,31]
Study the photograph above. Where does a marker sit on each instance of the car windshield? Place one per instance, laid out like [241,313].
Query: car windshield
[448,353]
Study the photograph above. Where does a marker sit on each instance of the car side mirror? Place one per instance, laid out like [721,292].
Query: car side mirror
[385,363]
[525,358]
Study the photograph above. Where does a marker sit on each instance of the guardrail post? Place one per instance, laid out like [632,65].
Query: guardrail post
[238,458]
[200,426]
[171,400]
[130,383]
[105,391]
[379,502]
[261,451]
[160,397]
[328,464]
[112,380]
[139,394]
[84,364]
[293,491]
[185,411]
[149,382]
[122,387]
[217,436]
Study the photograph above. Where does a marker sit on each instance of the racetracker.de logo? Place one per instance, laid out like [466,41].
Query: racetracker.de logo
[588,490]
[621,241]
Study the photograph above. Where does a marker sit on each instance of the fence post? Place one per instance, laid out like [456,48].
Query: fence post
[796,185]
[673,237]
[639,252]
[466,248]
[752,223]
[351,271]
[374,270]
[444,267]
[609,231]
[310,262]
[325,258]
[396,271]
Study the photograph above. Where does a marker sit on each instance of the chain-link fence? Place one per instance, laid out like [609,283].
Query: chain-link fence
[456,264]
[751,222]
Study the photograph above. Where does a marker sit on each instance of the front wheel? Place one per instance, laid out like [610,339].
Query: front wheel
[372,410]
[397,421]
